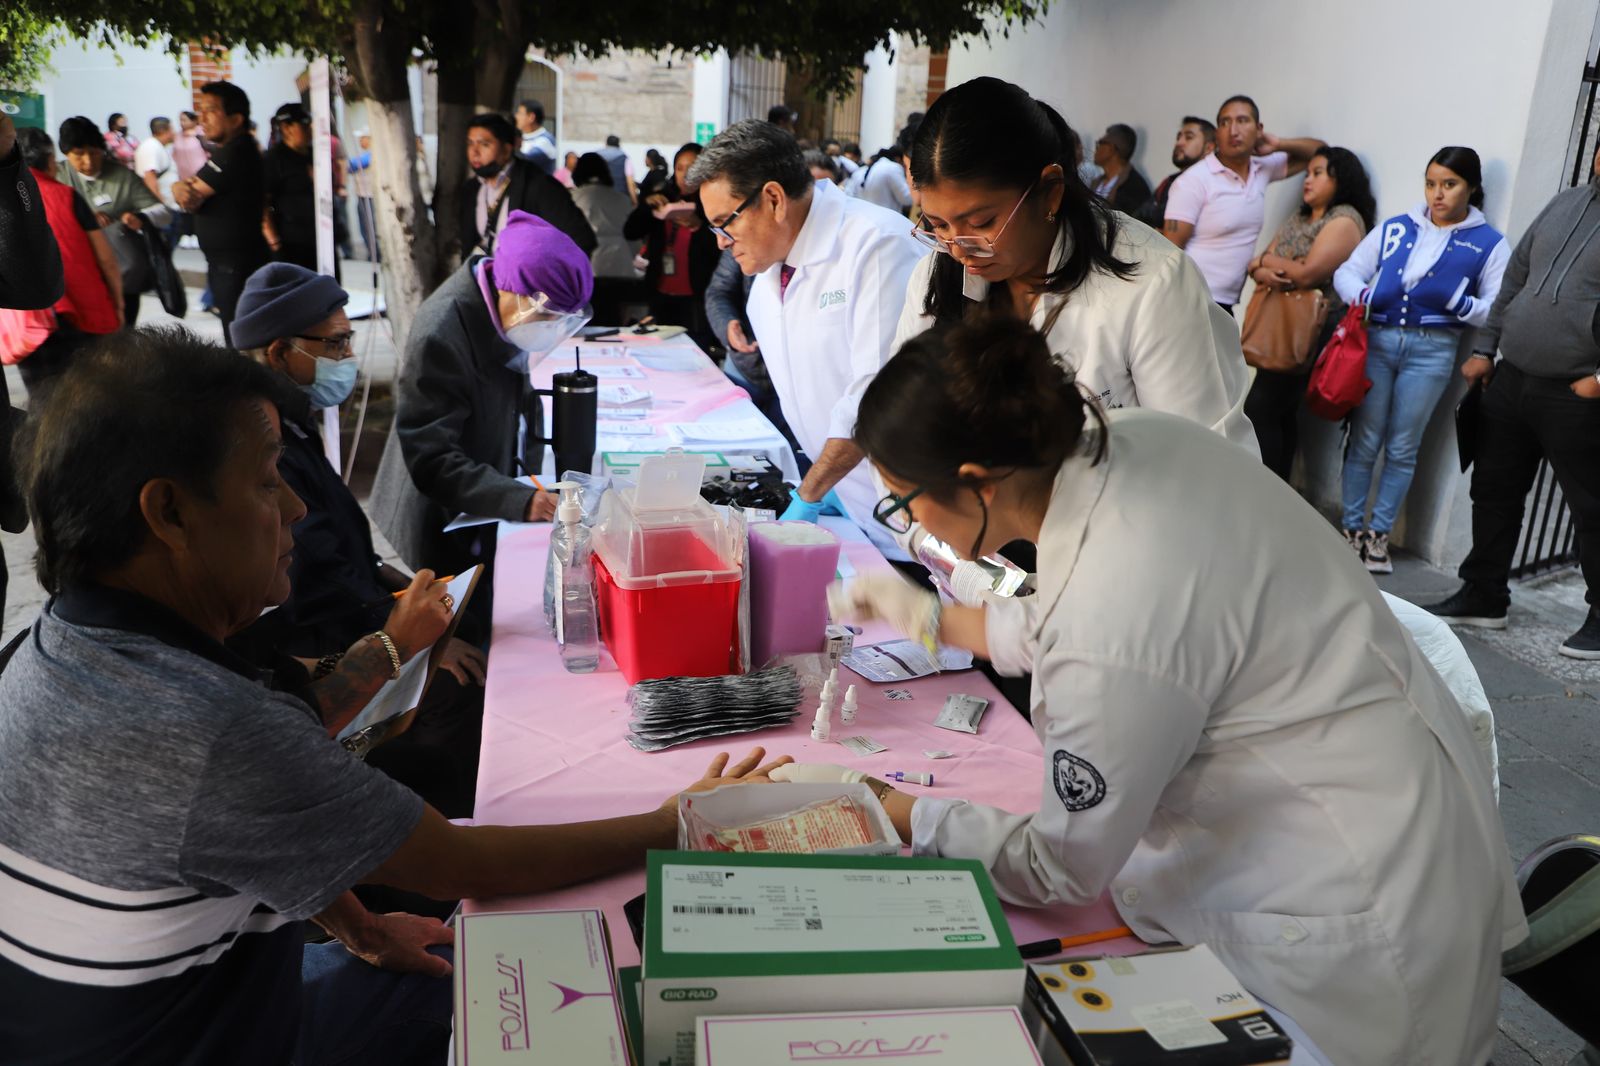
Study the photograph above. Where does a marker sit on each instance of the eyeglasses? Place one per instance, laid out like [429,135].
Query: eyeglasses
[339,342]
[894,512]
[971,247]
[721,230]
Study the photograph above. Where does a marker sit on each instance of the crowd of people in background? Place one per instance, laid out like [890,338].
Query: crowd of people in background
[1426,276]
[948,332]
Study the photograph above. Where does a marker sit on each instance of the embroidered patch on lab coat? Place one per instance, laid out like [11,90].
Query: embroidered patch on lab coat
[1078,783]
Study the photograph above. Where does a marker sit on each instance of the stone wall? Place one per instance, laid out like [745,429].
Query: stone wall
[641,97]
[910,81]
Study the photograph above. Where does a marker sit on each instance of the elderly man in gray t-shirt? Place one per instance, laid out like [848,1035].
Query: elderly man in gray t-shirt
[165,817]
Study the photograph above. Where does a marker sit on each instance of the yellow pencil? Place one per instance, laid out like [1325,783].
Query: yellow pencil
[436,581]
[1044,948]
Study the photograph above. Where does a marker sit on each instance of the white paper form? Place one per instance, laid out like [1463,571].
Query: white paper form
[402,693]
[753,909]
[624,396]
[467,521]
[672,359]
[739,431]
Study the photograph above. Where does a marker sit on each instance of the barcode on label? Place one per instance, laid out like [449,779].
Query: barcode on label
[703,908]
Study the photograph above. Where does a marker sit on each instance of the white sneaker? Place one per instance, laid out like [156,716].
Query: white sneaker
[1377,553]
[1357,541]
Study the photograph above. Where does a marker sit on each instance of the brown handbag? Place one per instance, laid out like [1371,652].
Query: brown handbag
[1280,328]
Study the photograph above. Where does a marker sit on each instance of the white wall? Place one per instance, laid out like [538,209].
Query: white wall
[143,82]
[878,129]
[710,91]
[1391,81]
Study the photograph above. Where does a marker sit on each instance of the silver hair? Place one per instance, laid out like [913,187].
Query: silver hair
[749,154]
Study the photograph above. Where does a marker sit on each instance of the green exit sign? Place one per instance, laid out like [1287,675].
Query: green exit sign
[704,131]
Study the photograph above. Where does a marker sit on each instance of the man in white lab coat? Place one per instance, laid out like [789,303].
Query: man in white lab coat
[830,278]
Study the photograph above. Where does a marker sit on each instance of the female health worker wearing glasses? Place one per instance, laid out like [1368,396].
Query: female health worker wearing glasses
[1020,235]
[1017,234]
[1244,747]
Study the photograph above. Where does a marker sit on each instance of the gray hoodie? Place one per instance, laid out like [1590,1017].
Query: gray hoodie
[1544,320]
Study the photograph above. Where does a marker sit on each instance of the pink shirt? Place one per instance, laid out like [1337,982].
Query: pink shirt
[188,154]
[1227,214]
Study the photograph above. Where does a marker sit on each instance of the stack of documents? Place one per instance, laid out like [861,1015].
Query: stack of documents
[618,397]
[737,431]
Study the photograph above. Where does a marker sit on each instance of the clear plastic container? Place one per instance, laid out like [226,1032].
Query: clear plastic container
[571,586]
[667,575]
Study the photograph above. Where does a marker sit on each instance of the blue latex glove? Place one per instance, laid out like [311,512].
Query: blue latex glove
[801,510]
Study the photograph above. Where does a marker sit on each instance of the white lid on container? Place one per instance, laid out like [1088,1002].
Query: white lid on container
[669,482]
[793,533]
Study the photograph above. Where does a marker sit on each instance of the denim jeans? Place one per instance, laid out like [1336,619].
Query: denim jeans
[1409,370]
[354,1014]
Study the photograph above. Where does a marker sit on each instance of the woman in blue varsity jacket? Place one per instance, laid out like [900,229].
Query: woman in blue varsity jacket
[1424,277]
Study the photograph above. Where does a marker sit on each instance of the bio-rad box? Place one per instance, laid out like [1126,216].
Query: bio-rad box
[992,1036]
[536,987]
[760,933]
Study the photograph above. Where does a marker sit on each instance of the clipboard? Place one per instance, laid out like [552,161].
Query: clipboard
[394,708]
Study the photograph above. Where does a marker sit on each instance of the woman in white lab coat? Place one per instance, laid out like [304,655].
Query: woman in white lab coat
[1016,232]
[1240,741]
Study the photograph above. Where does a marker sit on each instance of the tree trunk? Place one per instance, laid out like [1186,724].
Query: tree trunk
[455,108]
[405,236]
[501,51]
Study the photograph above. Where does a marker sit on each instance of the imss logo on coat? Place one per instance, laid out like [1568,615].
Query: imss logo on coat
[1078,783]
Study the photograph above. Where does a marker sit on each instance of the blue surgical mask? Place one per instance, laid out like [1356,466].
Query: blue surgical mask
[335,380]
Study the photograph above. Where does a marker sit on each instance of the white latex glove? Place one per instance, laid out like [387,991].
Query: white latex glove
[816,773]
[913,611]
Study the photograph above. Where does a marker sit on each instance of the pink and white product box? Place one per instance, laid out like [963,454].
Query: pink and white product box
[993,1036]
[536,987]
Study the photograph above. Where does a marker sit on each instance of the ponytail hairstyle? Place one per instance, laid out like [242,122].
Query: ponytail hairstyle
[993,133]
[986,390]
[1465,162]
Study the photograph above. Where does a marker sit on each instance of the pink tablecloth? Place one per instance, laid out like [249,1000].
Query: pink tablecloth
[554,747]
[703,394]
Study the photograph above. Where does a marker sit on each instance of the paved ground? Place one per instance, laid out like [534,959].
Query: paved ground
[1547,708]
[1548,722]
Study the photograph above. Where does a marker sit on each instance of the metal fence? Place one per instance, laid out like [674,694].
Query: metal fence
[757,84]
[1549,538]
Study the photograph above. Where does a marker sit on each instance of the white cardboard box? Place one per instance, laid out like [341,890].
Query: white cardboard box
[992,1036]
[736,805]
[1179,1007]
[762,933]
[536,987]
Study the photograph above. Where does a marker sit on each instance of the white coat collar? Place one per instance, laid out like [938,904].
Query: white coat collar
[1077,490]
[975,288]
[819,235]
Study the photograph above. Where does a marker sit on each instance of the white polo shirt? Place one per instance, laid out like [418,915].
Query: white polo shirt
[1227,214]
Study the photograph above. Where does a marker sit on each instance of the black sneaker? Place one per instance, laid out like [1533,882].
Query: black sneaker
[1585,643]
[1469,607]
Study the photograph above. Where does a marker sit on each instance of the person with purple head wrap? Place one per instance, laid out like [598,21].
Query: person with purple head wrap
[466,416]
